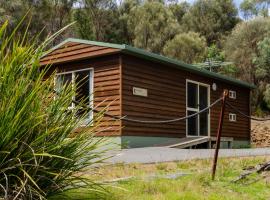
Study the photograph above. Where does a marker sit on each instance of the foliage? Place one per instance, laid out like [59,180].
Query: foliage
[214,53]
[155,25]
[212,18]
[189,47]
[266,94]
[38,155]
[253,8]
[228,70]
[249,9]
[125,35]
[241,47]
[98,20]
[262,60]
[262,64]
[49,16]
[179,10]
[152,25]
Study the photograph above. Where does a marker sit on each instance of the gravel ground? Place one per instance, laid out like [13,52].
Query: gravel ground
[260,134]
[165,154]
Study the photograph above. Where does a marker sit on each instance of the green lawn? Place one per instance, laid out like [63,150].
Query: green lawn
[196,185]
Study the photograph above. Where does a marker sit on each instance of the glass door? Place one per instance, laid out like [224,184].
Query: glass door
[192,107]
[197,99]
[203,117]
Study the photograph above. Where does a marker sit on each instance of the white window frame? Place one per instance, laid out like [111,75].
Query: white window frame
[232,94]
[232,117]
[91,92]
[197,109]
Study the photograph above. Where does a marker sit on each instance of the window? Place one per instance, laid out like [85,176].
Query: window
[232,94]
[232,117]
[83,80]
[192,100]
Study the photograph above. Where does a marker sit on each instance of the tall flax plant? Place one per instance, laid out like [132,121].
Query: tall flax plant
[40,155]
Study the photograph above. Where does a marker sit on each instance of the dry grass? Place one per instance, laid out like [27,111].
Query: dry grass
[196,185]
[121,170]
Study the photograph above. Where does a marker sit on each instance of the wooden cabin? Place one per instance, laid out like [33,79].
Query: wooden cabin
[132,82]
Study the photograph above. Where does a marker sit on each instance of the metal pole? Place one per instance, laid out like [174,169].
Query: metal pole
[221,116]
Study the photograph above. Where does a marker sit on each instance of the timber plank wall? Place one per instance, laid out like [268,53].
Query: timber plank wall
[115,75]
[167,100]
[106,89]
[106,78]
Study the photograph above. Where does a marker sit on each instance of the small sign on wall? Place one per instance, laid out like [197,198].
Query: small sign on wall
[140,92]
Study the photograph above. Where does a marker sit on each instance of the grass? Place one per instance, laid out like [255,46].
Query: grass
[196,185]
[39,155]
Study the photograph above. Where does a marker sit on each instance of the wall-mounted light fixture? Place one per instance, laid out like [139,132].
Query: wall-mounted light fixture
[214,86]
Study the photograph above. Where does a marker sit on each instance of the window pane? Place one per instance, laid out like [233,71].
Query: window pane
[203,97]
[83,90]
[62,80]
[82,83]
[204,123]
[192,95]
[192,124]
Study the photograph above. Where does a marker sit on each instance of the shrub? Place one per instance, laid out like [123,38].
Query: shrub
[38,155]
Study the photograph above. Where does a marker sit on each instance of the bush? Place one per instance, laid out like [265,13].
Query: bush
[38,156]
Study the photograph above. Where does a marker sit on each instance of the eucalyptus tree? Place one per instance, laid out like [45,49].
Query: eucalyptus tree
[254,8]
[249,9]
[212,18]
[262,73]
[152,24]
[125,8]
[179,10]
[97,20]
[189,47]
[242,47]
[44,16]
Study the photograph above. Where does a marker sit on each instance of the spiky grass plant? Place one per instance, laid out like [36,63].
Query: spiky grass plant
[39,154]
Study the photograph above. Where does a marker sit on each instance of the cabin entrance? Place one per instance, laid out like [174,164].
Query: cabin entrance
[197,98]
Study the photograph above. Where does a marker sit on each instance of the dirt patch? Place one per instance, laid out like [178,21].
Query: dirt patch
[260,134]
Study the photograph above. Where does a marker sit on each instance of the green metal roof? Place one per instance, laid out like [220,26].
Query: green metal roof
[162,59]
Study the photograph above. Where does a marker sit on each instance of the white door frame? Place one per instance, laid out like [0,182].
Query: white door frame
[197,109]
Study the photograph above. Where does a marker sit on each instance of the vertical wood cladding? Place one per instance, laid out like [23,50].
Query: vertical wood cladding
[167,100]
[106,88]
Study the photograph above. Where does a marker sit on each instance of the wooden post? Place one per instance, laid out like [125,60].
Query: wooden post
[221,116]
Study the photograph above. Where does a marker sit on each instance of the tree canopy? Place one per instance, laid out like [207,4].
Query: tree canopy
[189,47]
[151,25]
[192,32]
[212,18]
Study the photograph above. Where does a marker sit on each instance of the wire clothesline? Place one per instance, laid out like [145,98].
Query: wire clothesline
[126,118]
[247,116]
